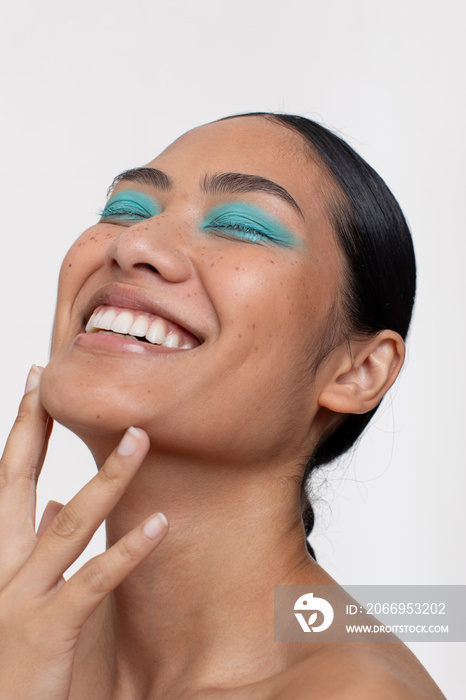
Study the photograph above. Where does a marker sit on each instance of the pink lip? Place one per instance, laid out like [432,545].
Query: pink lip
[135,298]
[114,344]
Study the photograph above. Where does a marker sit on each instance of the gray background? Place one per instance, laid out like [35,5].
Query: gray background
[91,88]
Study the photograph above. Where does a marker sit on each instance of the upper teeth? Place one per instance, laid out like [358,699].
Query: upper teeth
[139,324]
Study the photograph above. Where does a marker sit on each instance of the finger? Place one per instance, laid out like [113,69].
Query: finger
[88,587]
[43,454]
[23,454]
[72,528]
[51,510]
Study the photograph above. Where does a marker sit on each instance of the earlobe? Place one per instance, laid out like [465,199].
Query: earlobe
[364,374]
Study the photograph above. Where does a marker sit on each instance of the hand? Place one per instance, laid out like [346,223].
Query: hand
[41,614]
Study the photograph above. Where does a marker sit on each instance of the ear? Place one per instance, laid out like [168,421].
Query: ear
[364,372]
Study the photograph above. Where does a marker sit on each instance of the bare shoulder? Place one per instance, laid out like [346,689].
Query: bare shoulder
[359,672]
[352,670]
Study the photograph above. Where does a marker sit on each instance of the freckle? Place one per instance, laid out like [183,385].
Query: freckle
[272,262]
[256,348]
[97,417]
[239,335]
[253,325]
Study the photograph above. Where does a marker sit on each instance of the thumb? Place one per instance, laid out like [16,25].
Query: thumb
[51,509]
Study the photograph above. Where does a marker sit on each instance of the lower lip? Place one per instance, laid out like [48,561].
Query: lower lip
[115,344]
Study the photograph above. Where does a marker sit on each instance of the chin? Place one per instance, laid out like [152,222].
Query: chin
[98,409]
[75,401]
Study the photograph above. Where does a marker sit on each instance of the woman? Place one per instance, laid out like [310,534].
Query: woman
[243,302]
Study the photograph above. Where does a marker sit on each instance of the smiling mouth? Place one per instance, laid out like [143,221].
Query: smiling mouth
[140,325]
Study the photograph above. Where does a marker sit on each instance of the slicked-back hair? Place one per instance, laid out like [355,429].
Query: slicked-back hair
[379,265]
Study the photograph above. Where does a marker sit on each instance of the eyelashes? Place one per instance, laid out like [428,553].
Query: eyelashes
[235,220]
[129,206]
[125,211]
[241,231]
[238,227]
[249,223]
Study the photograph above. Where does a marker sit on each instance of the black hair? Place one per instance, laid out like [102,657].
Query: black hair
[380,269]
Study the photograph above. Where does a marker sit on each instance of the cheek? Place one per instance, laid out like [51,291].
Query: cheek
[86,254]
[282,296]
[244,281]
[84,258]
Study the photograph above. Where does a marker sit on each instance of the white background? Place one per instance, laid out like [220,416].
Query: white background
[91,88]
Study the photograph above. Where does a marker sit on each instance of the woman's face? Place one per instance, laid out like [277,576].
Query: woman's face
[238,270]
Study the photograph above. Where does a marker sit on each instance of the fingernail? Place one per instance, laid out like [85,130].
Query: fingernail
[130,442]
[33,379]
[155,526]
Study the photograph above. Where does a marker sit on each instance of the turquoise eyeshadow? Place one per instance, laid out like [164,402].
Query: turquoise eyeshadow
[130,205]
[250,223]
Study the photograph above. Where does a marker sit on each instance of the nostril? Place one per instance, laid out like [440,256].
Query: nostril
[146,266]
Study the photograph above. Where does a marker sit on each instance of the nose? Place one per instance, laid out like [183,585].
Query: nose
[154,245]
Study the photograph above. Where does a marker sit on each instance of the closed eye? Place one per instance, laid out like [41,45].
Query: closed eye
[246,222]
[130,206]
[239,230]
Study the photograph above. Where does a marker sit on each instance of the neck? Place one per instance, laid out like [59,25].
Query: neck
[202,603]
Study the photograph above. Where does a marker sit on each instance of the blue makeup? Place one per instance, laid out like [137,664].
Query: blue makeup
[129,205]
[249,223]
[238,220]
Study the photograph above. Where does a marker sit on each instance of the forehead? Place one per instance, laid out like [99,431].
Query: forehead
[246,140]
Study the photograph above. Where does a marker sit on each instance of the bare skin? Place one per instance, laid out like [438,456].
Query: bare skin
[223,431]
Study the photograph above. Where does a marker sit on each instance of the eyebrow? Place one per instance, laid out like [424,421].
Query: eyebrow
[144,176]
[218,183]
[231,183]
